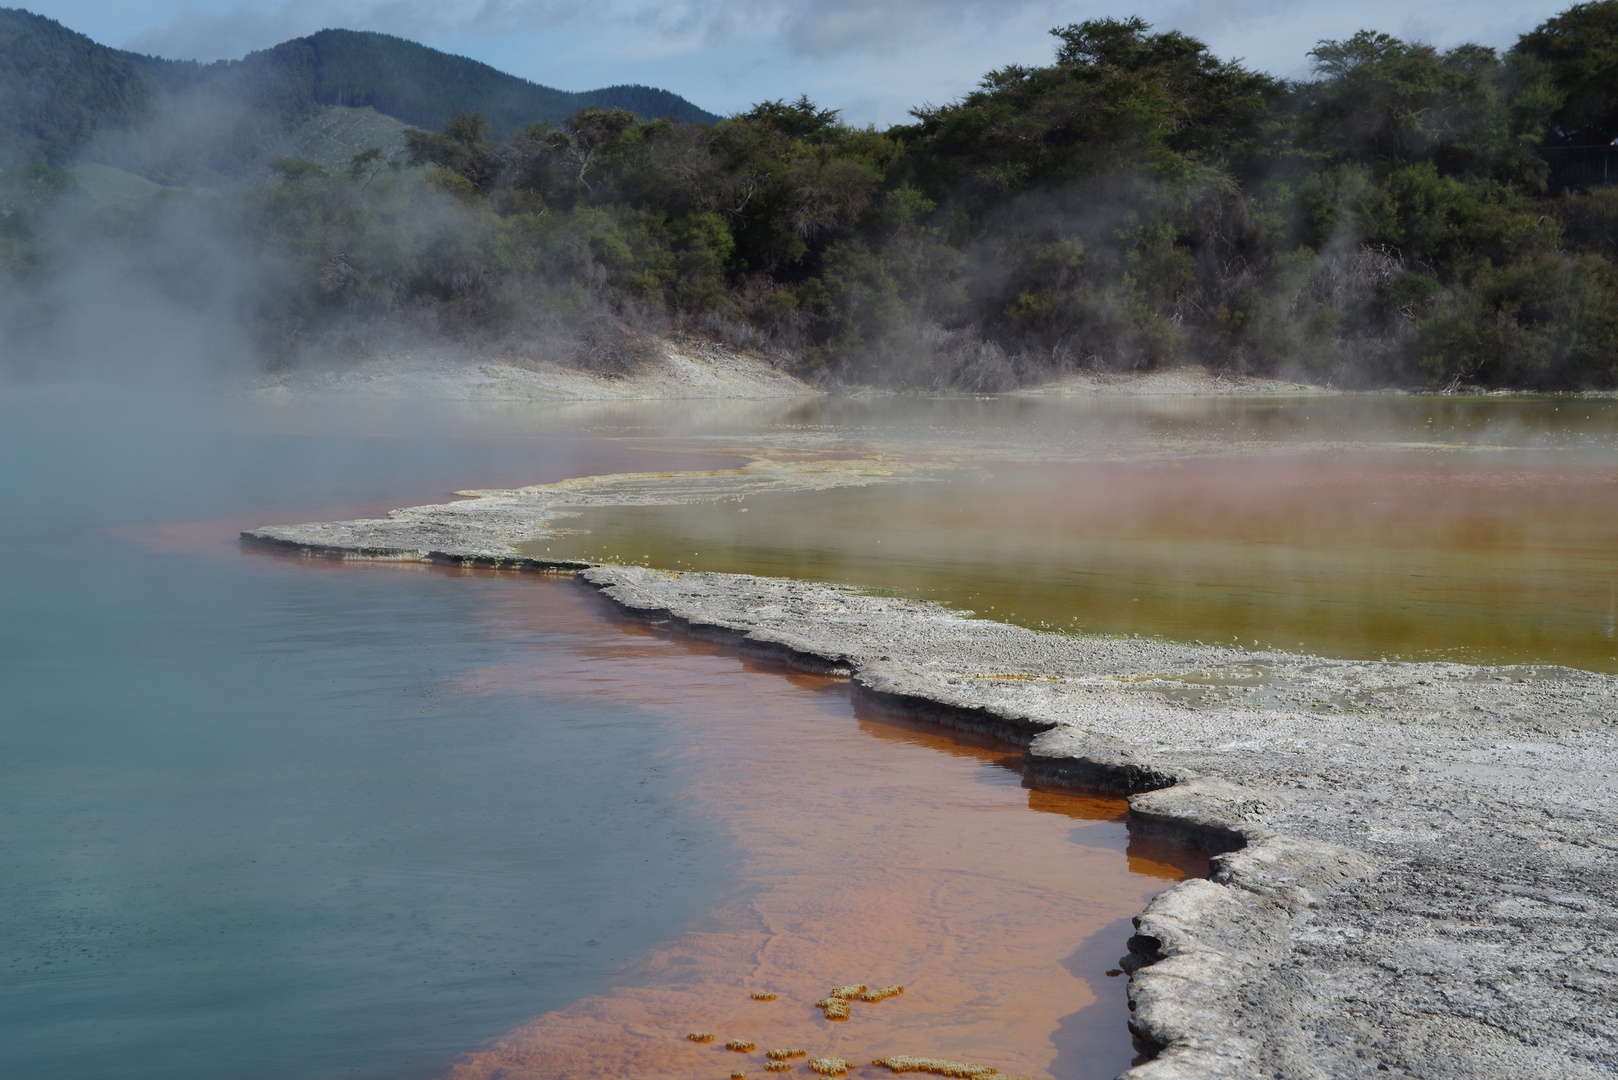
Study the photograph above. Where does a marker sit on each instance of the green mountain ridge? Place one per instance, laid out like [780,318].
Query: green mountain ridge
[69,98]
[425,87]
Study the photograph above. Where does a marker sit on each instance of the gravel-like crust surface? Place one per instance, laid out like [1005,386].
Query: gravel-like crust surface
[1169,382]
[1417,875]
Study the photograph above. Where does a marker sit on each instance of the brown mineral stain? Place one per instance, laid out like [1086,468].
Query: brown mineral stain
[871,853]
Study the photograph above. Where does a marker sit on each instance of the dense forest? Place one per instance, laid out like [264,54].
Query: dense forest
[1407,217]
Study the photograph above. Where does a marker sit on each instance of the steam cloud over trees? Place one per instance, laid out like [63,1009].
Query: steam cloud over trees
[1408,216]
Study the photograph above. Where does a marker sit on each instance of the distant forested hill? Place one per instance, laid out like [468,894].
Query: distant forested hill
[59,90]
[57,87]
[425,87]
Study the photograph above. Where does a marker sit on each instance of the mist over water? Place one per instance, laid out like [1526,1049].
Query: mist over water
[273,818]
[255,823]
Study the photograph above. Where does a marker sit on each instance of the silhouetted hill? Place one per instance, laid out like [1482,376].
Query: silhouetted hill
[59,90]
[425,87]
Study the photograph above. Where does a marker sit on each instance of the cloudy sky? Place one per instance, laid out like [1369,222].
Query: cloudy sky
[873,59]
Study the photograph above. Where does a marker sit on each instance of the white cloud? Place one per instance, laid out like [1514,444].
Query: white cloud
[207,35]
[824,30]
[209,32]
[839,27]
[872,58]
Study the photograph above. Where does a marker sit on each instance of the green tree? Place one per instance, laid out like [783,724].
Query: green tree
[1391,103]
[1119,98]
[463,148]
[1577,52]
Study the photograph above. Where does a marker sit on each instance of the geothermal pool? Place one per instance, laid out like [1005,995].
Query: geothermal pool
[291,819]
[1381,556]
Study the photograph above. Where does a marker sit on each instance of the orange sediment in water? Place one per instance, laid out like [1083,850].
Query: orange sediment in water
[865,848]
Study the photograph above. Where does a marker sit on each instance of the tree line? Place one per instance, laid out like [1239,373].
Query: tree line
[1138,202]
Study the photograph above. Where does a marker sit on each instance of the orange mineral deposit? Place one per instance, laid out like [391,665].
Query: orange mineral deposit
[865,847]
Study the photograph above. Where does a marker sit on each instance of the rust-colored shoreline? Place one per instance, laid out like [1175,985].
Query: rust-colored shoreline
[1198,826]
[1179,957]
[628,1030]
[857,865]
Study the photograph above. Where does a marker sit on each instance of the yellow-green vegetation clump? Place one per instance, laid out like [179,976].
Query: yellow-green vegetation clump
[903,1063]
[829,1066]
[741,1046]
[783,1055]
[836,1004]
[777,1066]
[700,1036]
[835,1008]
[762,995]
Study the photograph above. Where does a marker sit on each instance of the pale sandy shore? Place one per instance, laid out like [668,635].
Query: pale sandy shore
[687,368]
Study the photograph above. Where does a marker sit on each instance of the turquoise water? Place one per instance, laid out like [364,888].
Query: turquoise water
[254,823]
